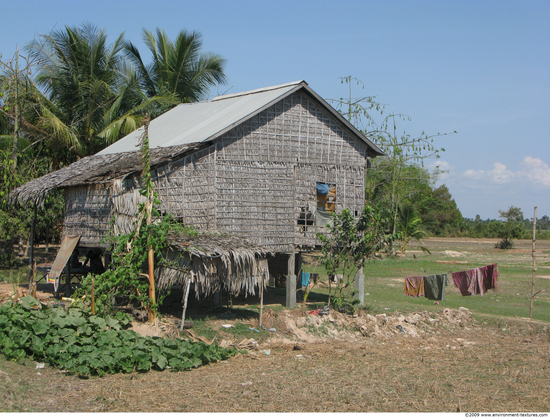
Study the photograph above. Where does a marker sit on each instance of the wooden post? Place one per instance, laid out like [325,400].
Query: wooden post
[185,298]
[31,244]
[534,268]
[148,185]
[68,280]
[107,260]
[33,290]
[262,297]
[93,296]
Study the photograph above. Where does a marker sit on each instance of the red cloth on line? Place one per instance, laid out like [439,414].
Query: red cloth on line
[490,276]
[469,282]
[460,279]
[414,286]
[476,281]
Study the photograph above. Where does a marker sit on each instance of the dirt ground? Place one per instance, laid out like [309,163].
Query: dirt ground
[436,362]
[444,361]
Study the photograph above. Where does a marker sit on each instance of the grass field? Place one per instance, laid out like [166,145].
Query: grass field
[499,361]
[384,279]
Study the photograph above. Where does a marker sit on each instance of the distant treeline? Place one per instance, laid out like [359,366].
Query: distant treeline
[492,228]
[438,210]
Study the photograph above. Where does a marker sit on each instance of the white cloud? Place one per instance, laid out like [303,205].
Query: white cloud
[475,174]
[500,174]
[536,171]
[484,189]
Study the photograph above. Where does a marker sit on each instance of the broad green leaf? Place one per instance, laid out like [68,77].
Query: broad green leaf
[40,328]
[98,322]
[28,302]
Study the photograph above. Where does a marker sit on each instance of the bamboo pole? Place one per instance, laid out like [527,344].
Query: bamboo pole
[146,179]
[151,262]
[534,264]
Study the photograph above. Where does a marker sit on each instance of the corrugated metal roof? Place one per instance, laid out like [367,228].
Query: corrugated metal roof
[198,122]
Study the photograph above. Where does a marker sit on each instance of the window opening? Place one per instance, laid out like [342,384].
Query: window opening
[326,197]
[326,203]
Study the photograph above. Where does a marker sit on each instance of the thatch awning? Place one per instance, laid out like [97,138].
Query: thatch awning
[215,261]
[95,169]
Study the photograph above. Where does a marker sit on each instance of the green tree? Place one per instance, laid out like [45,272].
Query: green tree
[512,214]
[513,228]
[23,154]
[401,150]
[347,246]
[438,210]
[89,93]
[179,72]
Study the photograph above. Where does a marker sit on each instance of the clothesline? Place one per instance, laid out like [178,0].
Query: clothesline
[470,282]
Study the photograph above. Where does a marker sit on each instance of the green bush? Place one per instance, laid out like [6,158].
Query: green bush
[86,344]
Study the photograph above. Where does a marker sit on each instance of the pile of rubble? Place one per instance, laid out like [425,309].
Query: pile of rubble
[335,325]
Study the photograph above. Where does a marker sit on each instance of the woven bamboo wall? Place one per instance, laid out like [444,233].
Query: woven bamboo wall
[254,201]
[294,130]
[186,188]
[271,164]
[88,213]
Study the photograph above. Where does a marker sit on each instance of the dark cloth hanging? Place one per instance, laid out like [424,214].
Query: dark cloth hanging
[490,276]
[461,280]
[434,286]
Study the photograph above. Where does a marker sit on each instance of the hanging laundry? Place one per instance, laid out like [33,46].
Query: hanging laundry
[476,281]
[434,286]
[414,286]
[461,280]
[305,279]
[490,276]
[469,282]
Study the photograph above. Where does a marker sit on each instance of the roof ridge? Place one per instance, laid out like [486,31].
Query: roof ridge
[264,89]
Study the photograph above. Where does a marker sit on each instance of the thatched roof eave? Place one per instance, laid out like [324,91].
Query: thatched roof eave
[95,169]
[212,245]
[217,261]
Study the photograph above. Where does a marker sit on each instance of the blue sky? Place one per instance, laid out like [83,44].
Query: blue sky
[481,68]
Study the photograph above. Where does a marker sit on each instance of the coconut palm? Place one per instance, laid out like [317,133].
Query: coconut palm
[178,69]
[86,87]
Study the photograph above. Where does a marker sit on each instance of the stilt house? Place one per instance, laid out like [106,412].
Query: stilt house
[267,166]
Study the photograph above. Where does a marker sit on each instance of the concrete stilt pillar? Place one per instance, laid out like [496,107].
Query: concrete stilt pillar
[291,282]
[360,286]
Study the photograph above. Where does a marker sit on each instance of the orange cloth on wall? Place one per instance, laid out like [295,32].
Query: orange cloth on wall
[327,202]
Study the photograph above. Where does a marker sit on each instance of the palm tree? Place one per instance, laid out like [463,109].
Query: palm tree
[86,88]
[410,227]
[178,71]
